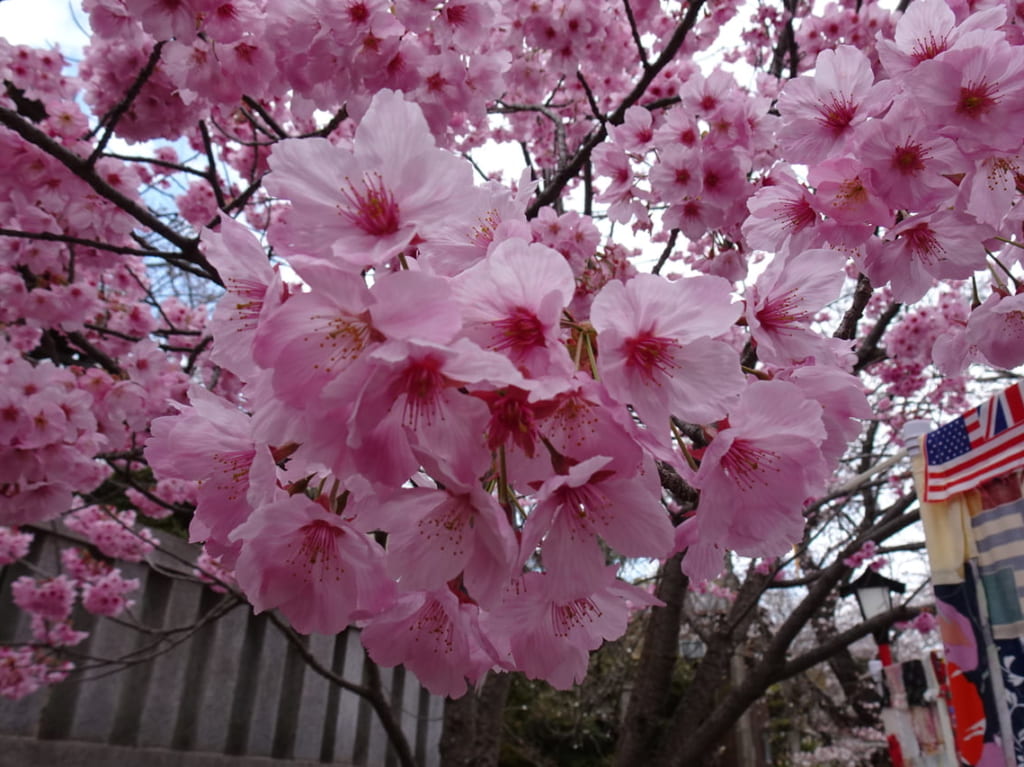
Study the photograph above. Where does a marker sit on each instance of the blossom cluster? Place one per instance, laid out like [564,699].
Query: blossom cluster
[441,410]
[868,552]
[49,601]
[900,155]
[445,425]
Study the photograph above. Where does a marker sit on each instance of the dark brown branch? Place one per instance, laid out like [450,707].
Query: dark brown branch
[113,117]
[861,295]
[53,237]
[570,170]
[267,118]
[371,694]
[868,352]
[696,728]
[339,117]
[211,166]
[648,702]
[102,358]
[595,108]
[636,35]
[111,332]
[786,46]
[175,166]
[194,352]
[669,247]
[125,476]
[81,168]
[683,494]
[561,149]
[824,650]
[240,201]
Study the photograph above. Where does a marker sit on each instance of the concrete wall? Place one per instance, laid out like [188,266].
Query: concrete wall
[231,692]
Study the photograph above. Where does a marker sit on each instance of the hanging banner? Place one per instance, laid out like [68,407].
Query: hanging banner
[972,510]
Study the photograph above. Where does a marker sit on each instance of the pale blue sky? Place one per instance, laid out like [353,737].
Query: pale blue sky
[43,23]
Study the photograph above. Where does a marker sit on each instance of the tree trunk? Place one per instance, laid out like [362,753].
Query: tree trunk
[472,725]
[647,710]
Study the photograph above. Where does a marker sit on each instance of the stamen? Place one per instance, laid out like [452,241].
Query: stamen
[372,207]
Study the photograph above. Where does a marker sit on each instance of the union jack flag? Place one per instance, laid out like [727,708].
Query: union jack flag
[986,442]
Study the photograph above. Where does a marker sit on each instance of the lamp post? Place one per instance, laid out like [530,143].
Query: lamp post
[874,597]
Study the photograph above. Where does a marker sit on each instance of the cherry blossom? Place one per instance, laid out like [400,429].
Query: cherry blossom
[384,391]
[312,565]
[659,352]
[771,451]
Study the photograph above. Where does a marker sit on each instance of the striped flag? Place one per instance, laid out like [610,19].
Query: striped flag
[985,442]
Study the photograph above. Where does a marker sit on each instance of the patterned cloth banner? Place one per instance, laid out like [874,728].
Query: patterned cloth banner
[973,516]
[914,715]
[999,534]
[984,443]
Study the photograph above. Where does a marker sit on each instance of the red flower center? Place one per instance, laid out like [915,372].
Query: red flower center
[318,543]
[649,353]
[521,330]
[976,99]
[372,207]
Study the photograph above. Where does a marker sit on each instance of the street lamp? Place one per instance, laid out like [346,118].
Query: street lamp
[874,597]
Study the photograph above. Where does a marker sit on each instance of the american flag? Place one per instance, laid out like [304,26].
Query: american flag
[985,442]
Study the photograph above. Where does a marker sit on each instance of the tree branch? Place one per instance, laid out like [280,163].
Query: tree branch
[111,119]
[371,694]
[71,240]
[188,246]
[554,189]
[847,329]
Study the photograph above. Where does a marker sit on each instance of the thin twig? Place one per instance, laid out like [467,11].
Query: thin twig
[81,168]
[569,171]
[847,329]
[641,51]
[267,118]
[372,694]
[211,167]
[111,119]
[67,238]
[669,247]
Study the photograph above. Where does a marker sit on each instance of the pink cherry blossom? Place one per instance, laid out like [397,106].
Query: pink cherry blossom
[209,441]
[844,197]
[252,287]
[435,636]
[13,545]
[756,475]
[907,166]
[51,599]
[972,93]
[996,328]
[820,115]
[434,535]
[782,211]
[22,672]
[928,29]
[412,400]
[785,299]
[367,205]
[636,132]
[552,624]
[921,249]
[512,302]
[589,501]
[314,566]
[657,347]
[106,594]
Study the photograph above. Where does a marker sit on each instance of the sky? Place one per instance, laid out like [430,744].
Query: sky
[43,23]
